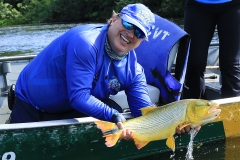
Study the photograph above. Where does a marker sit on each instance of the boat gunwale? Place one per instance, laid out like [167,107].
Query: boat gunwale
[83,120]
[53,123]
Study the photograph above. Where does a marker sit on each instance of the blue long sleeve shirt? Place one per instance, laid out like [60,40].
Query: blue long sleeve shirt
[213,1]
[75,72]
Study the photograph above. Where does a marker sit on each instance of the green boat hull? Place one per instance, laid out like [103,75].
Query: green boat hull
[80,139]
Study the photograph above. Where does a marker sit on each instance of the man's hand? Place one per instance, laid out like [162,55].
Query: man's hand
[126,133]
[119,119]
[185,129]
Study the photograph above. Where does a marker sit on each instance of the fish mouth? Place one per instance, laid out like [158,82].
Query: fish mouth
[213,113]
[214,108]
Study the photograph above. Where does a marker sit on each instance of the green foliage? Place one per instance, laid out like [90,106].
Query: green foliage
[13,2]
[34,11]
[52,11]
[121,3]
[171,8]
[8,14]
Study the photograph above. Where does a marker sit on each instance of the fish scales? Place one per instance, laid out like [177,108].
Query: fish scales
[157,121]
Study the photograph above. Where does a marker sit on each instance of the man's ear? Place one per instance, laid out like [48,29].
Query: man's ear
[114,18]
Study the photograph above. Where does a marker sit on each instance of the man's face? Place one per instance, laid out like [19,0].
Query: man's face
[121,39]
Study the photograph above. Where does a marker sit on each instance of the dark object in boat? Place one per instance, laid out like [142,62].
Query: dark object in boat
[11,96]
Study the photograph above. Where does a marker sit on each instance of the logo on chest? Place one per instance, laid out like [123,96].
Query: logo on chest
[114,84]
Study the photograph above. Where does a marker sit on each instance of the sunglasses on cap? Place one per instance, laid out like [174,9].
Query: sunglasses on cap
[138,32]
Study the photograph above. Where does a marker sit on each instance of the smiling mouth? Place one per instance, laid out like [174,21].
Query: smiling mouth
[125,39]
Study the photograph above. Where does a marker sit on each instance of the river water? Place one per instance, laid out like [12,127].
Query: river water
[31,39]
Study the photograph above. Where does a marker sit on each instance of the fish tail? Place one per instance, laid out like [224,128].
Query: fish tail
[105,126]
[110,132]
[111,139]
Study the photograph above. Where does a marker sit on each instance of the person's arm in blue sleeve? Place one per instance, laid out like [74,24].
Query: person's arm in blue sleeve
[80,67]
[137,94]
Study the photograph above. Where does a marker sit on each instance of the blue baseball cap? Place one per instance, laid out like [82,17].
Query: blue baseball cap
[139,15]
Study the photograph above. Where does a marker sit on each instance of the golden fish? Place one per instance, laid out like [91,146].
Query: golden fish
[157,123]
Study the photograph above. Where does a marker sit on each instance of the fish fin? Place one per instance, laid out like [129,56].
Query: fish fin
[171,143]
[146,110]
[111,139]
[184,125]
[110,132]
[140,144]
[105,126]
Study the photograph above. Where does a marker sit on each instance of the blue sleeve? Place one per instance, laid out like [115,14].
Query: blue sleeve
[80,70]
[137,94]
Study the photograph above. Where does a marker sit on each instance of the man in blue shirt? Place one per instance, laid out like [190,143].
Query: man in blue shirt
[76,73]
